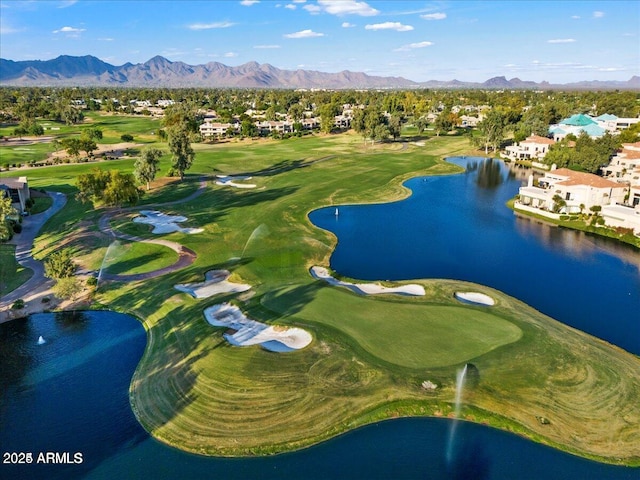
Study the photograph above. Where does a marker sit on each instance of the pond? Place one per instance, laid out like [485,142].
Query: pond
[67,393]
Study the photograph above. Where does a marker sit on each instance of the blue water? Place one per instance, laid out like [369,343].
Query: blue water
[71,394]
[458,227]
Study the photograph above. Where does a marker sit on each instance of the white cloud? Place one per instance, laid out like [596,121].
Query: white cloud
[106,39]
[299,1]
[209,26]
[248,3]
[230,54]
[347,25]
[312,9]
[598,14]
[70,31]
[397,26]
[290,6]
[412,46]
[347,7]
[304,34]
[434,16]
[266,47]
[575,17]
[67,3]
[562,40]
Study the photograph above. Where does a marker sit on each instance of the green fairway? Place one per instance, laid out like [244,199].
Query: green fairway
[411,336]
[369,355]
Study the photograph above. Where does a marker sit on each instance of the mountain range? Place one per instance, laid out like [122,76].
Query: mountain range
[88,70]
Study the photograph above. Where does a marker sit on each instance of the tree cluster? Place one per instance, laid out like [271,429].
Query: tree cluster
[583,153]
[109,188]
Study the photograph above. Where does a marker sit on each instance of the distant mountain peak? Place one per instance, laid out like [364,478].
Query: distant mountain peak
[158,71]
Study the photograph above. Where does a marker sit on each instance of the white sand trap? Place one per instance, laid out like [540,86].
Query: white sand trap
[250,332]
[228,181]
[367,288]
[163,223]
[215,282]
[475,298]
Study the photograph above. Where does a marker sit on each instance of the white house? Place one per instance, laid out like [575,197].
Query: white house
[624,167]
[624,216]
[533,147]
[613,124]
[213,129]
[580,191]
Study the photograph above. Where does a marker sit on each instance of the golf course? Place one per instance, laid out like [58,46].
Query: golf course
[370,354]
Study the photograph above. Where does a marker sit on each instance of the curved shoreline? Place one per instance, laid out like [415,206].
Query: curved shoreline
[358,420]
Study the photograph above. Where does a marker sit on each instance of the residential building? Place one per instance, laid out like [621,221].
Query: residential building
[576,124]
[211,129]
[613,124]
[624,216]
[624,167]
[533,147]
[18,190]
[578,191]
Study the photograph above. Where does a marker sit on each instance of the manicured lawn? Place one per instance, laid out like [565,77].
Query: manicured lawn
[411,336]
[196,392]
[123,258]
[12,274]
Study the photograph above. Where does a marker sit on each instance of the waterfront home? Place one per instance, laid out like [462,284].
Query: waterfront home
[565,191]
[533,147]
[624,167]
[624,216]
[18,190]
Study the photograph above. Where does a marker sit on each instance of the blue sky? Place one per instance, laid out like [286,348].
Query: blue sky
[557,41]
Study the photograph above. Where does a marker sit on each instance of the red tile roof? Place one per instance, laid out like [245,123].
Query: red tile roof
[582,178]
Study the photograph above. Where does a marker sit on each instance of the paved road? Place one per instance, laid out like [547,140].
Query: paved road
[31,225]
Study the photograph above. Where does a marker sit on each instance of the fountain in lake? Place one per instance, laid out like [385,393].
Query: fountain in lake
[460,381]
[41,340]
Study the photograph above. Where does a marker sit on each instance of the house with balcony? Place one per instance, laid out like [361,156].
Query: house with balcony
[624,167]
[532,148]
[564,191]
[210,129]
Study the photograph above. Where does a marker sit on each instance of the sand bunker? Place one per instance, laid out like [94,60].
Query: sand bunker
[215,282]
[229,181]
[163,223]
[366,288]
[250,332]
[474,298]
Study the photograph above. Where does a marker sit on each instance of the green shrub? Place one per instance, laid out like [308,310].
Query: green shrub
[92,281]
[18,304]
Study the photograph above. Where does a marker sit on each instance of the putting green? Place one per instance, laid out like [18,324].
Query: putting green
[408,335]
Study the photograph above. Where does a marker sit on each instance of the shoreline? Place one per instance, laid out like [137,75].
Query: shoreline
[388,408]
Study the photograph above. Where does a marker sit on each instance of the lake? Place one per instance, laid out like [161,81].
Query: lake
[70,393]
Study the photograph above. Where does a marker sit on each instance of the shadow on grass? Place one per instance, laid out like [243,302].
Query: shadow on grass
[126,266]
[284,166]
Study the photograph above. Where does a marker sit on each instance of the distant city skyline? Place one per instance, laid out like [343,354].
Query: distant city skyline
[556,41]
